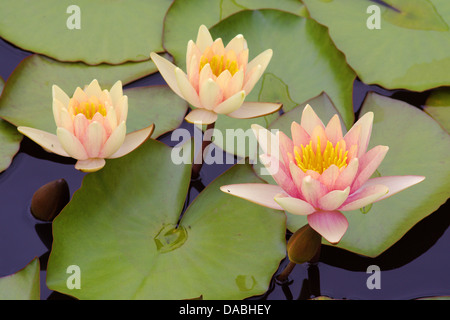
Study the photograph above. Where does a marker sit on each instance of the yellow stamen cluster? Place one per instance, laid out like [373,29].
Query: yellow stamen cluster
[307,159]
[220,63]
[89,108]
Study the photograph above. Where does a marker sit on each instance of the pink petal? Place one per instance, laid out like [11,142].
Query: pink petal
[262,59]
[187,89]
[310,120]
[329,176]
[333,130]
[48,141]
[95,136]
[116,93]
[132,141]
[90,165]
[295,205]
[255,109]
[347,175]
[299,135]
[202,116]
[313,190]
[205,74]
[333,199]
[364,196]
[80,124]
[71,144]
[259,193]
[194,73]
[231,104]
[368,163]
[318,135]
[235,84]
[114,142]
[394,183]
[280,174]
[93,89]
[204,39]
[297,175]
[252,78]
[237,44]
[222,80]
[365,122]
[210,94]
[286,146]
[331,225]
[268,141]
[352,139]
[60,95]
[167,71]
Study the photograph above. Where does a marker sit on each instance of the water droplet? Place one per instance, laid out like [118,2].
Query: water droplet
[366,209]
[170,238]
[245,282]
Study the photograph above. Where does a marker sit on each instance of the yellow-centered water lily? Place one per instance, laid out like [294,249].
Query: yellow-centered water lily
[218,78]
[91,126]
[320,172]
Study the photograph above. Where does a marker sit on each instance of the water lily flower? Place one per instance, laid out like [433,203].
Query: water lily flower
[320,172]
[218,78]
[91,126]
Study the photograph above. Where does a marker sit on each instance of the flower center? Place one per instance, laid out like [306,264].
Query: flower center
[220,63]
[307,159]
[88,108]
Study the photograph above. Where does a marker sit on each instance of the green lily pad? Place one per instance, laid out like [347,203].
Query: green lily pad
[9,140]
[185,17]
[410,48]
[417,146]
[120,229]
[23,285]
[27,98]
[438,107]
[109,31]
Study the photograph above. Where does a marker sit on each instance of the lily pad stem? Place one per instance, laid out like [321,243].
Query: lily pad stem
[205,143]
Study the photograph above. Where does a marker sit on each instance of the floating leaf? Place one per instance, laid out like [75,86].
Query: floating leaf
[122,229]
[23,285]
[438,107]
[417,146]
[9,140]
[110,31]
[409,50]
[27,98]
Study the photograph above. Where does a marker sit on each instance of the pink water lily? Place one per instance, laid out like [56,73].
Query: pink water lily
[91,126]
[321,172]
[218,78]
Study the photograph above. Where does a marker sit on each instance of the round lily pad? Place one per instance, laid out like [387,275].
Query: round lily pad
[9,140]
[27,97]
[417,146]
[438,107]
[122,229]
[22,285]
[92,31]
[403,44]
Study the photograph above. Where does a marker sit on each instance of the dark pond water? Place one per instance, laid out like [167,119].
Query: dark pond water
[416,266]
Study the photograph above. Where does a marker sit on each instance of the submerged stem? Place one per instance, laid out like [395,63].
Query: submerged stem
[283,276]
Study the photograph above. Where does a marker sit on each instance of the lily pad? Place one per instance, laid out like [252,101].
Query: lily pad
[23,285]
[9,140]
[185,17]
[27,98]
[417,146]
[109,31]
[410,48]
[121,230]
[438,107]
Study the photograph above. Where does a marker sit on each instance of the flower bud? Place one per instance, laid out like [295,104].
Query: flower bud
[303,244]
[50,199]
